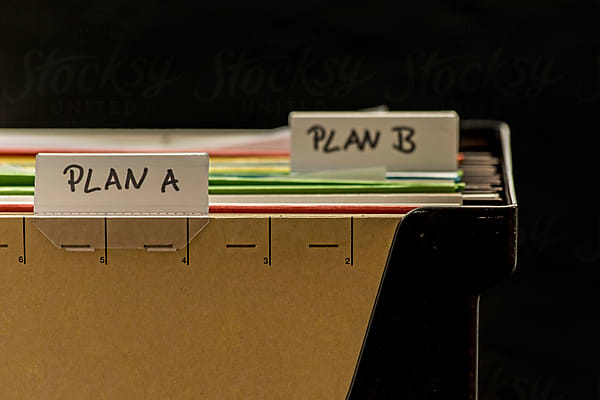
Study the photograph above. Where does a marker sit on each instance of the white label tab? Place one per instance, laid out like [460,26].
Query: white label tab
[121,184]
[399,141]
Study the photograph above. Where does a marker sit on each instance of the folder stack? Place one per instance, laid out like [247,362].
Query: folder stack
[254,177]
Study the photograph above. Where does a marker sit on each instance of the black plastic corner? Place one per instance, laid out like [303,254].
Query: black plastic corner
[421,342]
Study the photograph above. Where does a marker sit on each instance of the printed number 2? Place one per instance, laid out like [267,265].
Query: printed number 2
[348,260]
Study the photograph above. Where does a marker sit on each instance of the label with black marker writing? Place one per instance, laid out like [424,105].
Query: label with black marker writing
[121,183]
[399,141]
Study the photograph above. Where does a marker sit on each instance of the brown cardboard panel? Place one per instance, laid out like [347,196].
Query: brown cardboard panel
[214,320]
[11,240]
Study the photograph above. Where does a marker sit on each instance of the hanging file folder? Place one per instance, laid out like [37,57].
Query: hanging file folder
[279,299]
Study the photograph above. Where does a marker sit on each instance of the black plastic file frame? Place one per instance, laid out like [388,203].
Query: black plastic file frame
[422,339]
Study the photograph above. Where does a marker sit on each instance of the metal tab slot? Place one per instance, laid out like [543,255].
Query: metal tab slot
[240,246]
[3,245]
[321,245]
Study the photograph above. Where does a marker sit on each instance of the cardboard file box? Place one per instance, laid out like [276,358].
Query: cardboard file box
[260,306]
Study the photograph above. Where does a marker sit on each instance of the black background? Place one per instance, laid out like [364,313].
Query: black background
[163,64]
